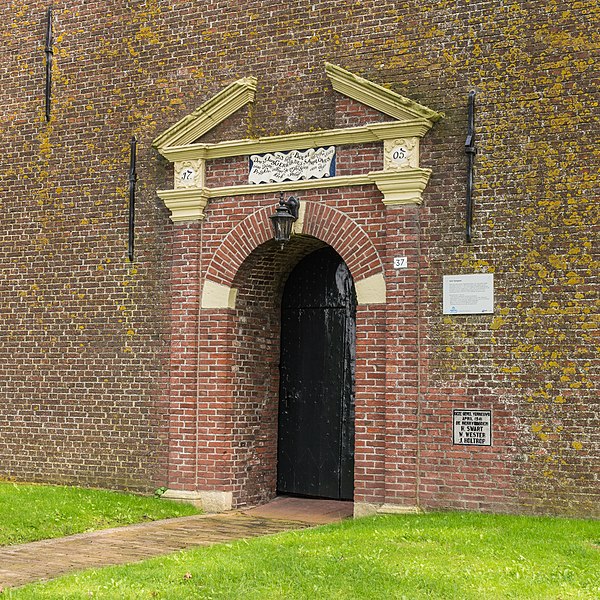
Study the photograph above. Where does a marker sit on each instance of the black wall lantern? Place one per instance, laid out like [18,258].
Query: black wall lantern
[284,217]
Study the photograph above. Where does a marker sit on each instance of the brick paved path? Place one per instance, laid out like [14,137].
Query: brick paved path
[51,558]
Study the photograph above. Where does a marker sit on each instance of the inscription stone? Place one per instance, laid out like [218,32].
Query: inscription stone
[296,165]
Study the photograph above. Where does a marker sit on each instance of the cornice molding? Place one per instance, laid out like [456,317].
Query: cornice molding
[397,187]
[401,187]
[300,141]
[378,97]
[285,186]
[208,115]
[189,204]
[185,204]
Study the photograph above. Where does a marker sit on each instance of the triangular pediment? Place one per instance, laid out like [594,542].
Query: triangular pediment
[378,97]
[241,92]
[208,115]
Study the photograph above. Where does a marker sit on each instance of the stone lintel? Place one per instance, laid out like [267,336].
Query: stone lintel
[398,187]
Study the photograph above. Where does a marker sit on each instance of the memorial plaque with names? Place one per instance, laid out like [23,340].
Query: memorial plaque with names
[472,427]
[469,294]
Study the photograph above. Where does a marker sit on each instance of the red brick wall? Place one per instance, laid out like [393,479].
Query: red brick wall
[239,349]
[98,379]
[184,354]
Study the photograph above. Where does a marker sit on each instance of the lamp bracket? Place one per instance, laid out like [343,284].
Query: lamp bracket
[292,204]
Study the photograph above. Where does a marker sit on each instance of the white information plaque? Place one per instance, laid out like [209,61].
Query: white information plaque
[469,294]
[472,427]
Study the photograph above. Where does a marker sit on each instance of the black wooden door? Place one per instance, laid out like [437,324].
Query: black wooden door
[316,396]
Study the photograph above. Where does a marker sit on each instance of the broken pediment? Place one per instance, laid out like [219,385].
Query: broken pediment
[208,115]
[377,96]
[241,92]
[400,180]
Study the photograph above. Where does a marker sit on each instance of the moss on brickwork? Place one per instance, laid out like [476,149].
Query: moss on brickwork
[85,336]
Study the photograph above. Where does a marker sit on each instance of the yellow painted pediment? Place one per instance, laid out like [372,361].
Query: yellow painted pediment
[208,115]
[185,132]
[378,97]
[400,182]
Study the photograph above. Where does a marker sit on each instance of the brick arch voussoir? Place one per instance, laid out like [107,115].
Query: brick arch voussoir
[346,237]
[238,244]
[328,224]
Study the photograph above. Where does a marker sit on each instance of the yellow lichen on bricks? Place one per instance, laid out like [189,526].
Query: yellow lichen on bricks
[140,67]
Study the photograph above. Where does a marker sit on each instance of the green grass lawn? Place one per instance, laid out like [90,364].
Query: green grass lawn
[36,512]
[443,555]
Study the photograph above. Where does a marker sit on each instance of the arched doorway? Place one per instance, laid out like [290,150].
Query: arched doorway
[316,397]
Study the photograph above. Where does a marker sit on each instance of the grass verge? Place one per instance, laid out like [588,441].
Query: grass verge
[442,556]
[36,512]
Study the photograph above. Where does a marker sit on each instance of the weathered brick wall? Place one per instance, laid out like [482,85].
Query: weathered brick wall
[536,220]
[86,361]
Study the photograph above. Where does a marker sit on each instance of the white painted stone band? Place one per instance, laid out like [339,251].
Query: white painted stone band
[370,290]
[208,501]
[217,295]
